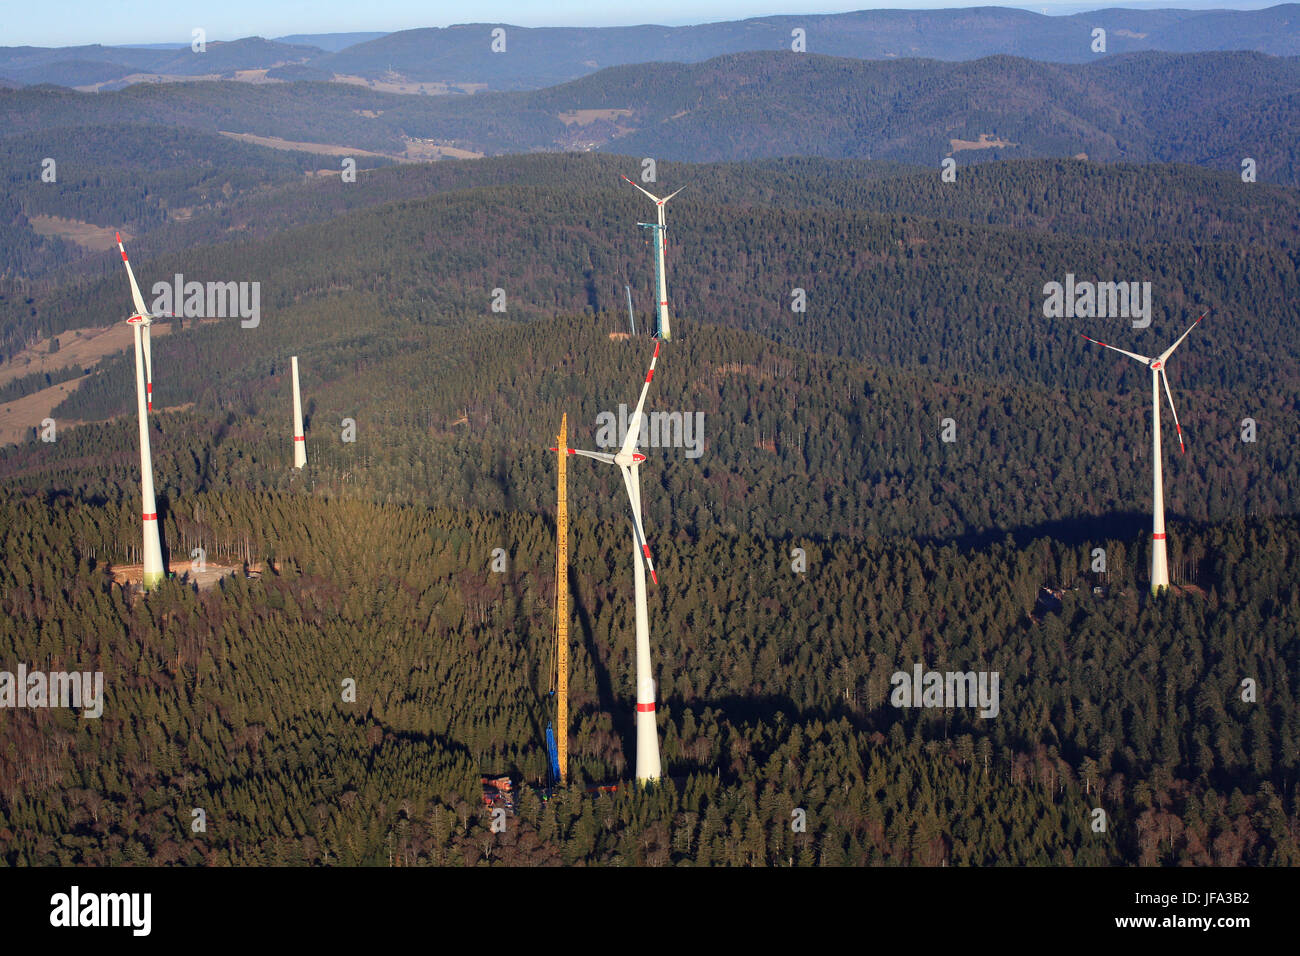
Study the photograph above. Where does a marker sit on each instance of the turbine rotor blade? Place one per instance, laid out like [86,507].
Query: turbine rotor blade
[136,297]
[634,423]
[1164,377]
[1133,355]
[632,482]
[598,455]
[670,196]
[1170,351]
[647,192]
[148,366]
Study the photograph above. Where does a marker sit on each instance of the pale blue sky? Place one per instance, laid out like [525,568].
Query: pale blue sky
[74,22]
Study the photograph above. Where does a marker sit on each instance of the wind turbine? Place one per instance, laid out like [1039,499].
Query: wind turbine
[1159,560]
[661,246]
[299,440]
[629,462]
[140,321]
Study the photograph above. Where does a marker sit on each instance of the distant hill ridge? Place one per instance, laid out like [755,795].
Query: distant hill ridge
[462,57]
[1207,109]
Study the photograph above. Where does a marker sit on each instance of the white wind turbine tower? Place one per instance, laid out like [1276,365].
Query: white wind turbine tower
[661,244]
[140,321]
[629,462]
[299,440]
[1159,560]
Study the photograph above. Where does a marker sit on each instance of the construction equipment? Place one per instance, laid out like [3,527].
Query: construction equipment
[557,735]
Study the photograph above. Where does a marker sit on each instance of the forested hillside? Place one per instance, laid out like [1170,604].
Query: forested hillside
[1208,109]
[773,685]
[829,444]
[1068,197]
[890,287]
[133,176]
[896,456]
[773,682]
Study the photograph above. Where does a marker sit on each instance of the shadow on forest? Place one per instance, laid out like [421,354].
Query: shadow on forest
[446,748]
[437,742]
[621,717]
[775,711]
[772,710]
[162,507]
[1087,529]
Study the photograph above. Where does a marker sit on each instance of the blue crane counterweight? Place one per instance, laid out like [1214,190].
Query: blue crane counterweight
[553,754]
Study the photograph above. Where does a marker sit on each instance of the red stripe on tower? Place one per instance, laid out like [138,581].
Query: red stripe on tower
[645,708]
[298,438]
[151,517]
[1158,537]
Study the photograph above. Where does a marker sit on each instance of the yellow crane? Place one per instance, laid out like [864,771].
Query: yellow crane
[559,745]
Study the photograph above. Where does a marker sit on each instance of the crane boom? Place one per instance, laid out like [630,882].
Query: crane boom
[562,602]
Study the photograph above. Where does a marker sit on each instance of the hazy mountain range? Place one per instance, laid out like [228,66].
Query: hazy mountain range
[461,59]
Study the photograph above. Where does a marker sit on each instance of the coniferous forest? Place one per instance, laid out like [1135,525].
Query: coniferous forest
[888,454]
